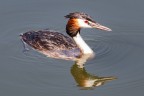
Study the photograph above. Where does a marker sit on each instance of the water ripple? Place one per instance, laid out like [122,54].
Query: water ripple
[121,56]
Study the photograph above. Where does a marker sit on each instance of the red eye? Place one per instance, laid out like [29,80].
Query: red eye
[86,21]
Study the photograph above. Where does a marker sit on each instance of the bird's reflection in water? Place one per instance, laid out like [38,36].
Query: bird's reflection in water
[84,79]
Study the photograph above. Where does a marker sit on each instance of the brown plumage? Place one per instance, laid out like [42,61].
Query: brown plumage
[57,45]
[72,27]
[52,44]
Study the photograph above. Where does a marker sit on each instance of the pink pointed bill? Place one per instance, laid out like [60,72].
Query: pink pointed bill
[101,27]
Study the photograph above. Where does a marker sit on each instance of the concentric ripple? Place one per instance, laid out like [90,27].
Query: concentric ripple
[121,56]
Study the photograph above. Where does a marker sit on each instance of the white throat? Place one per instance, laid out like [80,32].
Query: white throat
[82,44]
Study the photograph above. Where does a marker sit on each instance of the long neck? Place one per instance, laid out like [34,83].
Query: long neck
[82,44]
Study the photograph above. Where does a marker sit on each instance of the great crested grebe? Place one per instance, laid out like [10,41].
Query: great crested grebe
[57,45]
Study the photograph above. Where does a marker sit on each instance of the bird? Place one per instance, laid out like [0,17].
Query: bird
[54,44]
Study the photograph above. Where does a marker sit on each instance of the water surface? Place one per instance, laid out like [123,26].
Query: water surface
[118,53]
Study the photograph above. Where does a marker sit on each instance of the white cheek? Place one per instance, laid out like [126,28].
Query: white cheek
[89,83]
[83,24]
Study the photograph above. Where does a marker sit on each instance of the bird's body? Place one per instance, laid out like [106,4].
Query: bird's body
[52,44]
[56,45]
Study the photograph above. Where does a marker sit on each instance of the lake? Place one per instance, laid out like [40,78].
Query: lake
[117,67]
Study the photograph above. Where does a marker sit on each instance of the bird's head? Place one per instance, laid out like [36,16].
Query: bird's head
[78,20]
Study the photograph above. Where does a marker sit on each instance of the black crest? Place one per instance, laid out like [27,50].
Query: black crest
[79,15]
